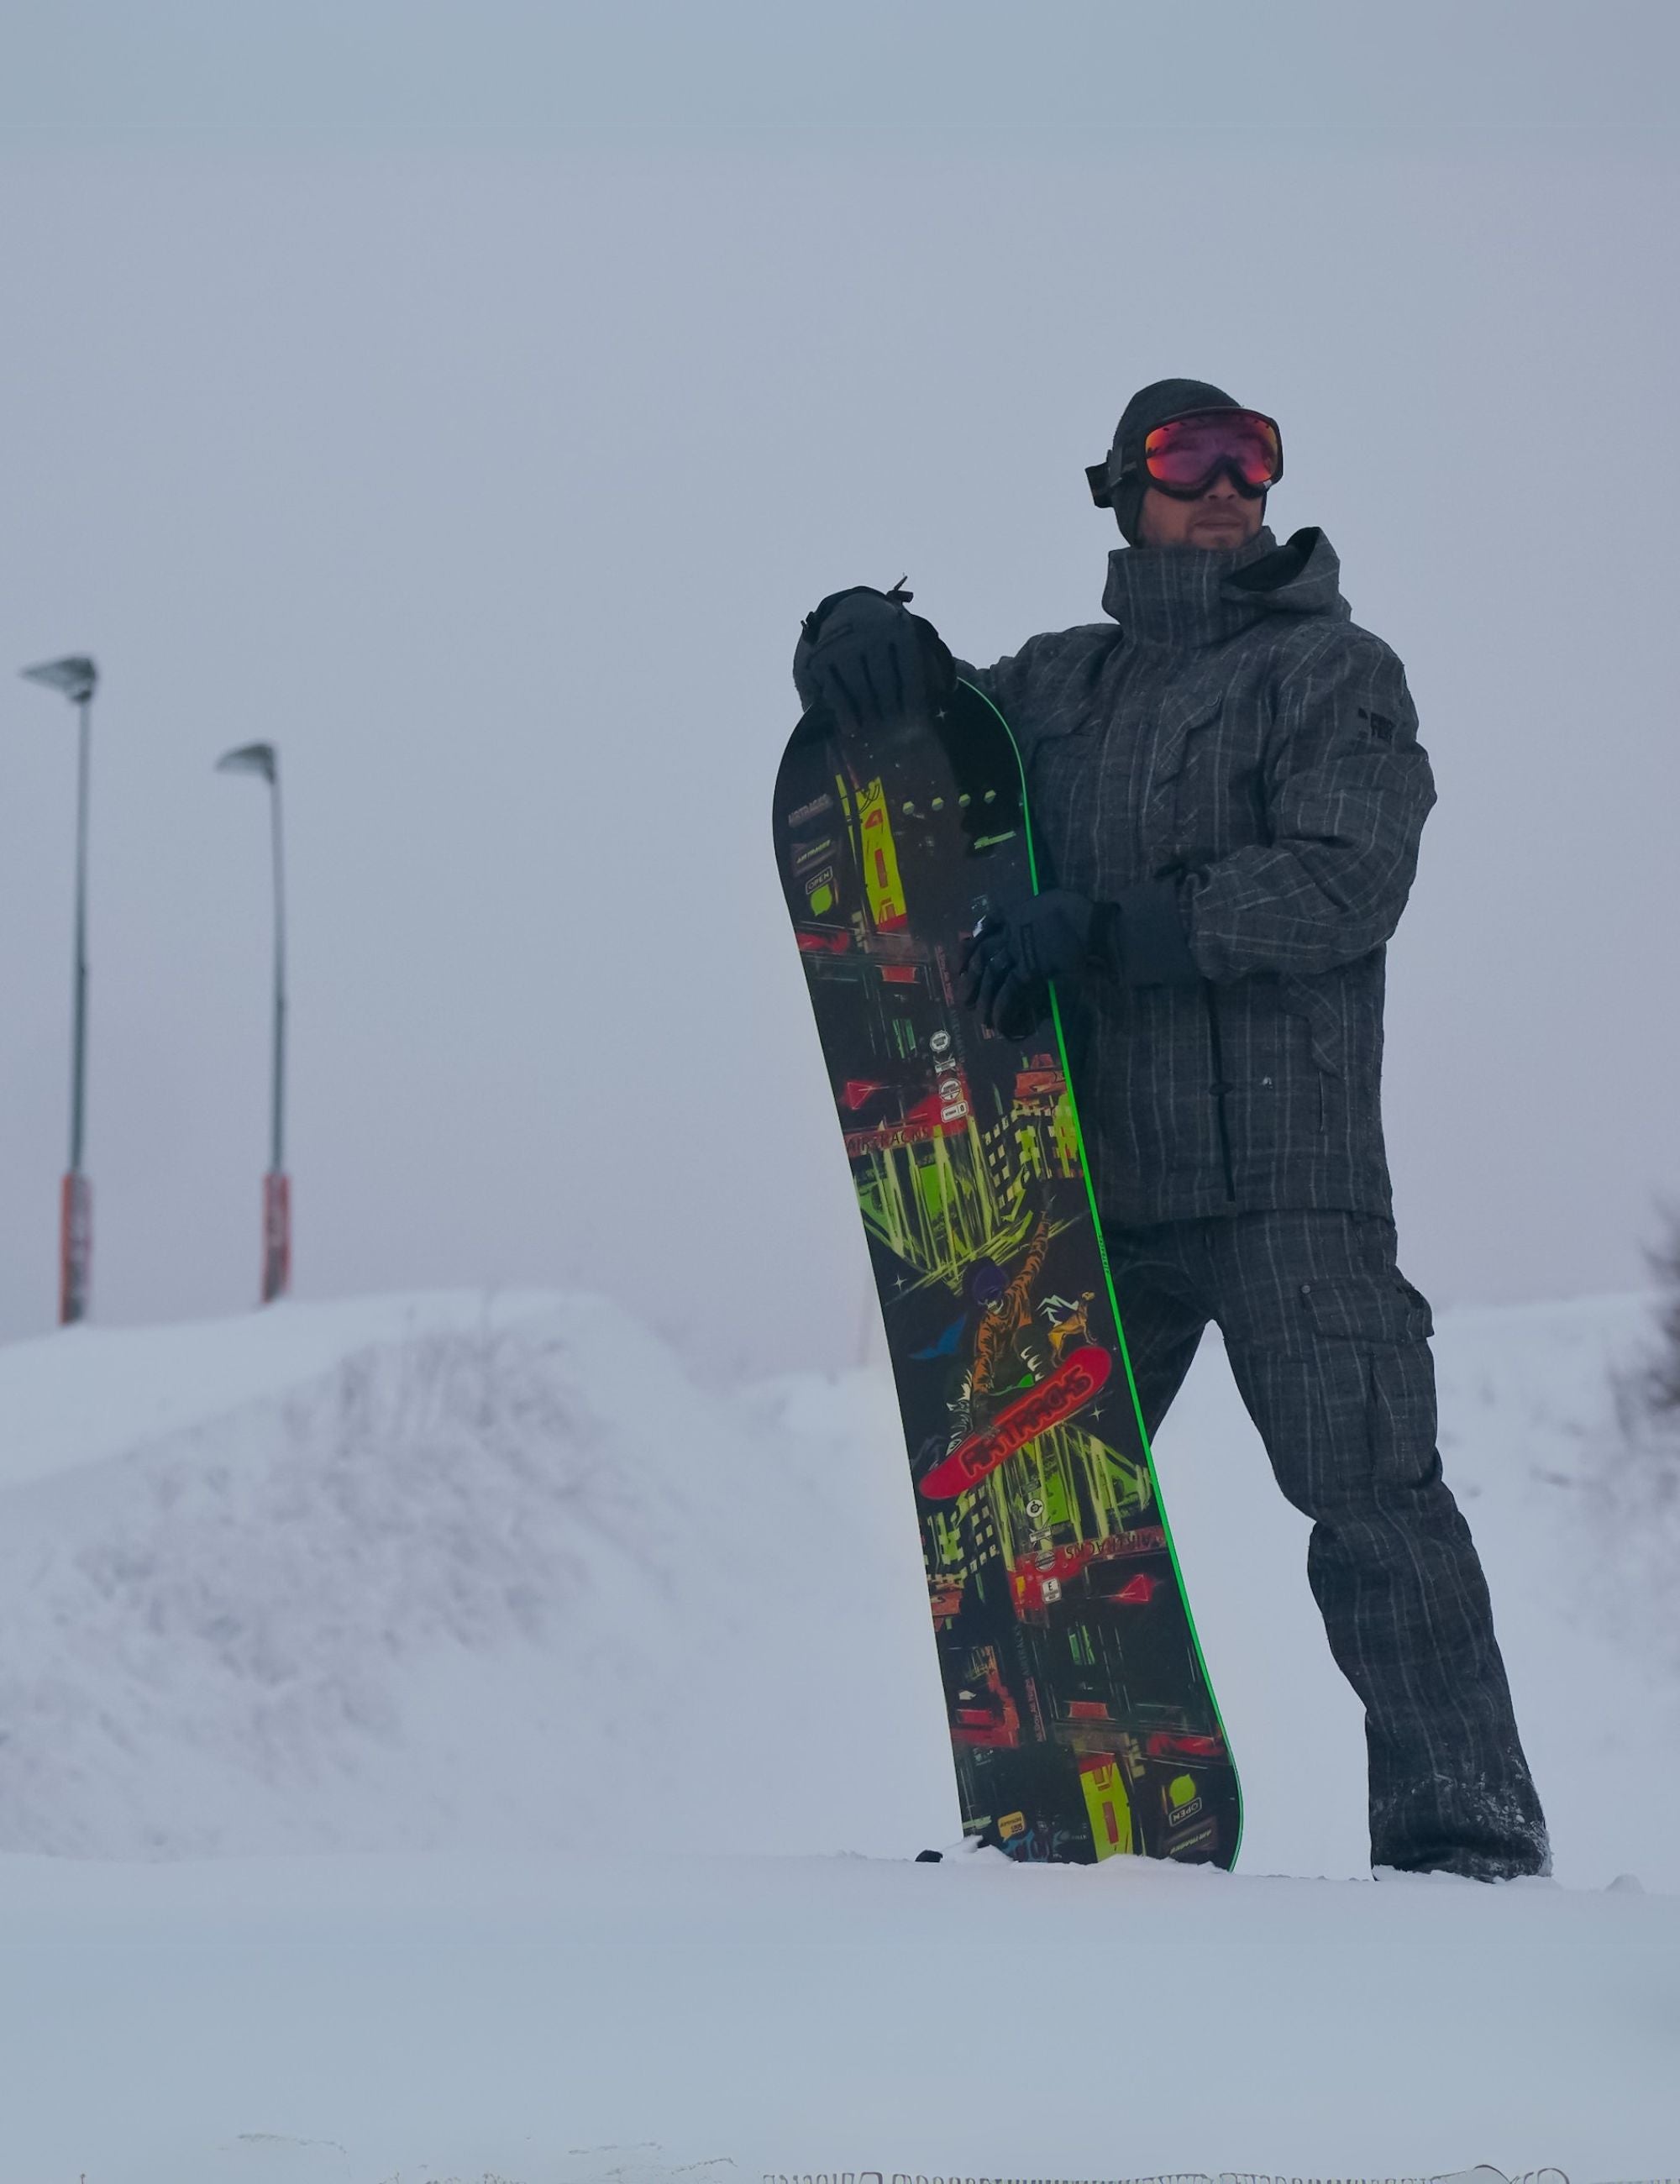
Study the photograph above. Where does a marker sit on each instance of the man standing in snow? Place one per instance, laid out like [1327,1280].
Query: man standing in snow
[1227,792]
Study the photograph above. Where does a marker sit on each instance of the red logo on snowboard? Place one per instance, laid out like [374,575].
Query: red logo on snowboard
[1079,1377]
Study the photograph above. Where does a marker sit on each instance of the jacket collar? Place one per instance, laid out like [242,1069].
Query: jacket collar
[1176,595]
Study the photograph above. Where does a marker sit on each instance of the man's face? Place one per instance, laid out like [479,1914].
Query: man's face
[1215,521]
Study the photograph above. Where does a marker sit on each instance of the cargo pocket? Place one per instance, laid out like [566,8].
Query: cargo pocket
[1415,1322]
[1372,1357]
[1402,1428]
[1362,1308]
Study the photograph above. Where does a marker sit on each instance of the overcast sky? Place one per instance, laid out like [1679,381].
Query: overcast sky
[472,399]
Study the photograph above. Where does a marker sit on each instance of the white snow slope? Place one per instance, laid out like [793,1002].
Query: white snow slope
[609,1712]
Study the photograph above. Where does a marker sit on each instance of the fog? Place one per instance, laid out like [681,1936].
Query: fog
[471,403]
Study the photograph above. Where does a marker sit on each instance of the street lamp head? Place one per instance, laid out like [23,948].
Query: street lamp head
[75,675]
[250,758]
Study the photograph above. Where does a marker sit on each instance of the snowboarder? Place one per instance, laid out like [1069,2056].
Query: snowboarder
[1228,792]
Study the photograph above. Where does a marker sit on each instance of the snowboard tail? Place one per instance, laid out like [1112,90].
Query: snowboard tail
[1083,1722]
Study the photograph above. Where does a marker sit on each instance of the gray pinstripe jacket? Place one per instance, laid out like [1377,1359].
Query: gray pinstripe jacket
[1236,764]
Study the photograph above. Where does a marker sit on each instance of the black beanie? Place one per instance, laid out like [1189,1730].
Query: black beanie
[1118,484]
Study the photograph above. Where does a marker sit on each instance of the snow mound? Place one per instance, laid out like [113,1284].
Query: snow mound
[458,1573]
[424,1573]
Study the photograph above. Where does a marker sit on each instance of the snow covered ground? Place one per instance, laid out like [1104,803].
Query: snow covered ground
[554,2021]
[438,1739]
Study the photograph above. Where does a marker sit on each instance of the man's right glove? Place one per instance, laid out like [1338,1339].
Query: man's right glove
[870,662]
[1004,966]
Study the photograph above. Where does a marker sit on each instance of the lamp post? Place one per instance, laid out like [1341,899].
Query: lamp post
[77,678]
[264,760]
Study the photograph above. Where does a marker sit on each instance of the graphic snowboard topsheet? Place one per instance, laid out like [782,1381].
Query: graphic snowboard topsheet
[1082,1724]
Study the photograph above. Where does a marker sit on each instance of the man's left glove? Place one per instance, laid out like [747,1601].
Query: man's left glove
[1004,967]
[870,661]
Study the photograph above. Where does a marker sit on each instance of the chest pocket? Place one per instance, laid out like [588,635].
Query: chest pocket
[1209,794]
[1062,756]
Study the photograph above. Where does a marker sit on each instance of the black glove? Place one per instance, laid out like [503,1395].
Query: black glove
[1004,967]
[870,662]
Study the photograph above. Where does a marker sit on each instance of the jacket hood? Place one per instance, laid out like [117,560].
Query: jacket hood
[1301,577]
[1181,596]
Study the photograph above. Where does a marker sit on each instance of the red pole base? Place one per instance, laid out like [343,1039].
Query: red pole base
[75,1247]
[276,1236]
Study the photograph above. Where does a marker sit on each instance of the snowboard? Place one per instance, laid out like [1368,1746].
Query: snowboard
[1083,1722]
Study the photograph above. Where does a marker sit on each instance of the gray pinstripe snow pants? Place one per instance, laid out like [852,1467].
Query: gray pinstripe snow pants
[1328,1344]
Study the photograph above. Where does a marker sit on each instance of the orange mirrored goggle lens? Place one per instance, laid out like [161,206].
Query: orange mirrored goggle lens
[1185,453]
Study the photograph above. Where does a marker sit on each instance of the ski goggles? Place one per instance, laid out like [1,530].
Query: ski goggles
[1183,457]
